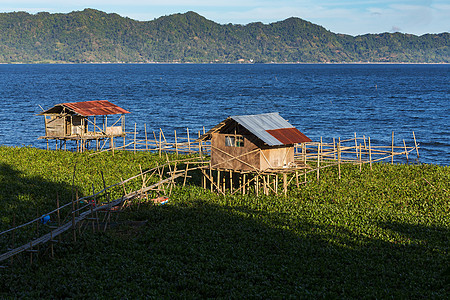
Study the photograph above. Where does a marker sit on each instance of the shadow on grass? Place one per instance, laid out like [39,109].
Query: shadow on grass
[25,198]
[196,249]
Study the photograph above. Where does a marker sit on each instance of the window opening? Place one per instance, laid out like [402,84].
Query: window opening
[234,141]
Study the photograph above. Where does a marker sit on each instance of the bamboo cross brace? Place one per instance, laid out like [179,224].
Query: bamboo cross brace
[406,151]
[293,176]
[237,158]
[247,184]
[267,184]
[415,143]
[212,181]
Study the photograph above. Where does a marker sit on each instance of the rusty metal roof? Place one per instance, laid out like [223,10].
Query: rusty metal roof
[271,128]
[289,135]
[88,108]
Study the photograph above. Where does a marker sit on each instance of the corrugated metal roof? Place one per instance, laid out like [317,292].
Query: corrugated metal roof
[88,108]
[260,124]
[289,135]
[95,108]
[271,128]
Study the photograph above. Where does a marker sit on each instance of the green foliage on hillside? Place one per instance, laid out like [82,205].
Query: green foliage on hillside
[95,36]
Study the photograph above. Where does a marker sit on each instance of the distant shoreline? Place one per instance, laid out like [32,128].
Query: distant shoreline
[224,63]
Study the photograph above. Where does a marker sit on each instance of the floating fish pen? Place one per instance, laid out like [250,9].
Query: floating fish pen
[83,122]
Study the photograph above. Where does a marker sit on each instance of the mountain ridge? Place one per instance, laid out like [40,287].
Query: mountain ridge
[94,36]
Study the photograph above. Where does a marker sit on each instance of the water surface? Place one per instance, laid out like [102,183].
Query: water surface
[320,100]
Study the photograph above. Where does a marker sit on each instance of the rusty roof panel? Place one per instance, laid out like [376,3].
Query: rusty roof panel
[289,135]
[95,108]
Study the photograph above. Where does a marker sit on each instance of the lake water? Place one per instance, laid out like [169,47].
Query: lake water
[320,100]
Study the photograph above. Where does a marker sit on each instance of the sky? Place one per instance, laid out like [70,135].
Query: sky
[354,17]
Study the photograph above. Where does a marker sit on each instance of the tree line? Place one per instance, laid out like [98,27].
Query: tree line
[94,36]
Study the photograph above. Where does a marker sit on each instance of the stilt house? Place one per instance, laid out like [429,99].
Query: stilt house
[83,121]
[253,142]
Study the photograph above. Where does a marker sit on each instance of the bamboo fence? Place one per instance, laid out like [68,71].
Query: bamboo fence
[77,216]
[309,158]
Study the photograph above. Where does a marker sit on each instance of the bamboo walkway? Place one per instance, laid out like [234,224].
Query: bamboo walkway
[78,215]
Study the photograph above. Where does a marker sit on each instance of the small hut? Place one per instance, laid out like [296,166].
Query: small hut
[83,121]
[253,142]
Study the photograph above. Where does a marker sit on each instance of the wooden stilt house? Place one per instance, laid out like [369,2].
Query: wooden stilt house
[84,121]
[253,142]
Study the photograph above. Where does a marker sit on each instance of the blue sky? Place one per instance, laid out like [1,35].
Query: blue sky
[341,16]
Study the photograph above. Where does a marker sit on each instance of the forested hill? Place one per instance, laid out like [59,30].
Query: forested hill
[95,36]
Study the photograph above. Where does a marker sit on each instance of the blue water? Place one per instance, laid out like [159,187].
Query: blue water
[320,100]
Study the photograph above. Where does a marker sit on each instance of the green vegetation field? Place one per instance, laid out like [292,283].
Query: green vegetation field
[376,234]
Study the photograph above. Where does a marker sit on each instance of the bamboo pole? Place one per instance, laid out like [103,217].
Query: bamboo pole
[189,141]
[356,147]
[156,140]
[200,147]
[185,174]
[112,144]
[224,181]
[392,149]
[265,184]
[160,144]
[211,180]
[204,182]
[164,137]
[318,161]
[146,140]
[360,160]
[257,185]
[276,184]
[231,178]
[203,179]
[135,138]
[211,176]
[406,151]
[176,144]
[334,148]
[370,154]
[218,180]
[339,158]
[415,143]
